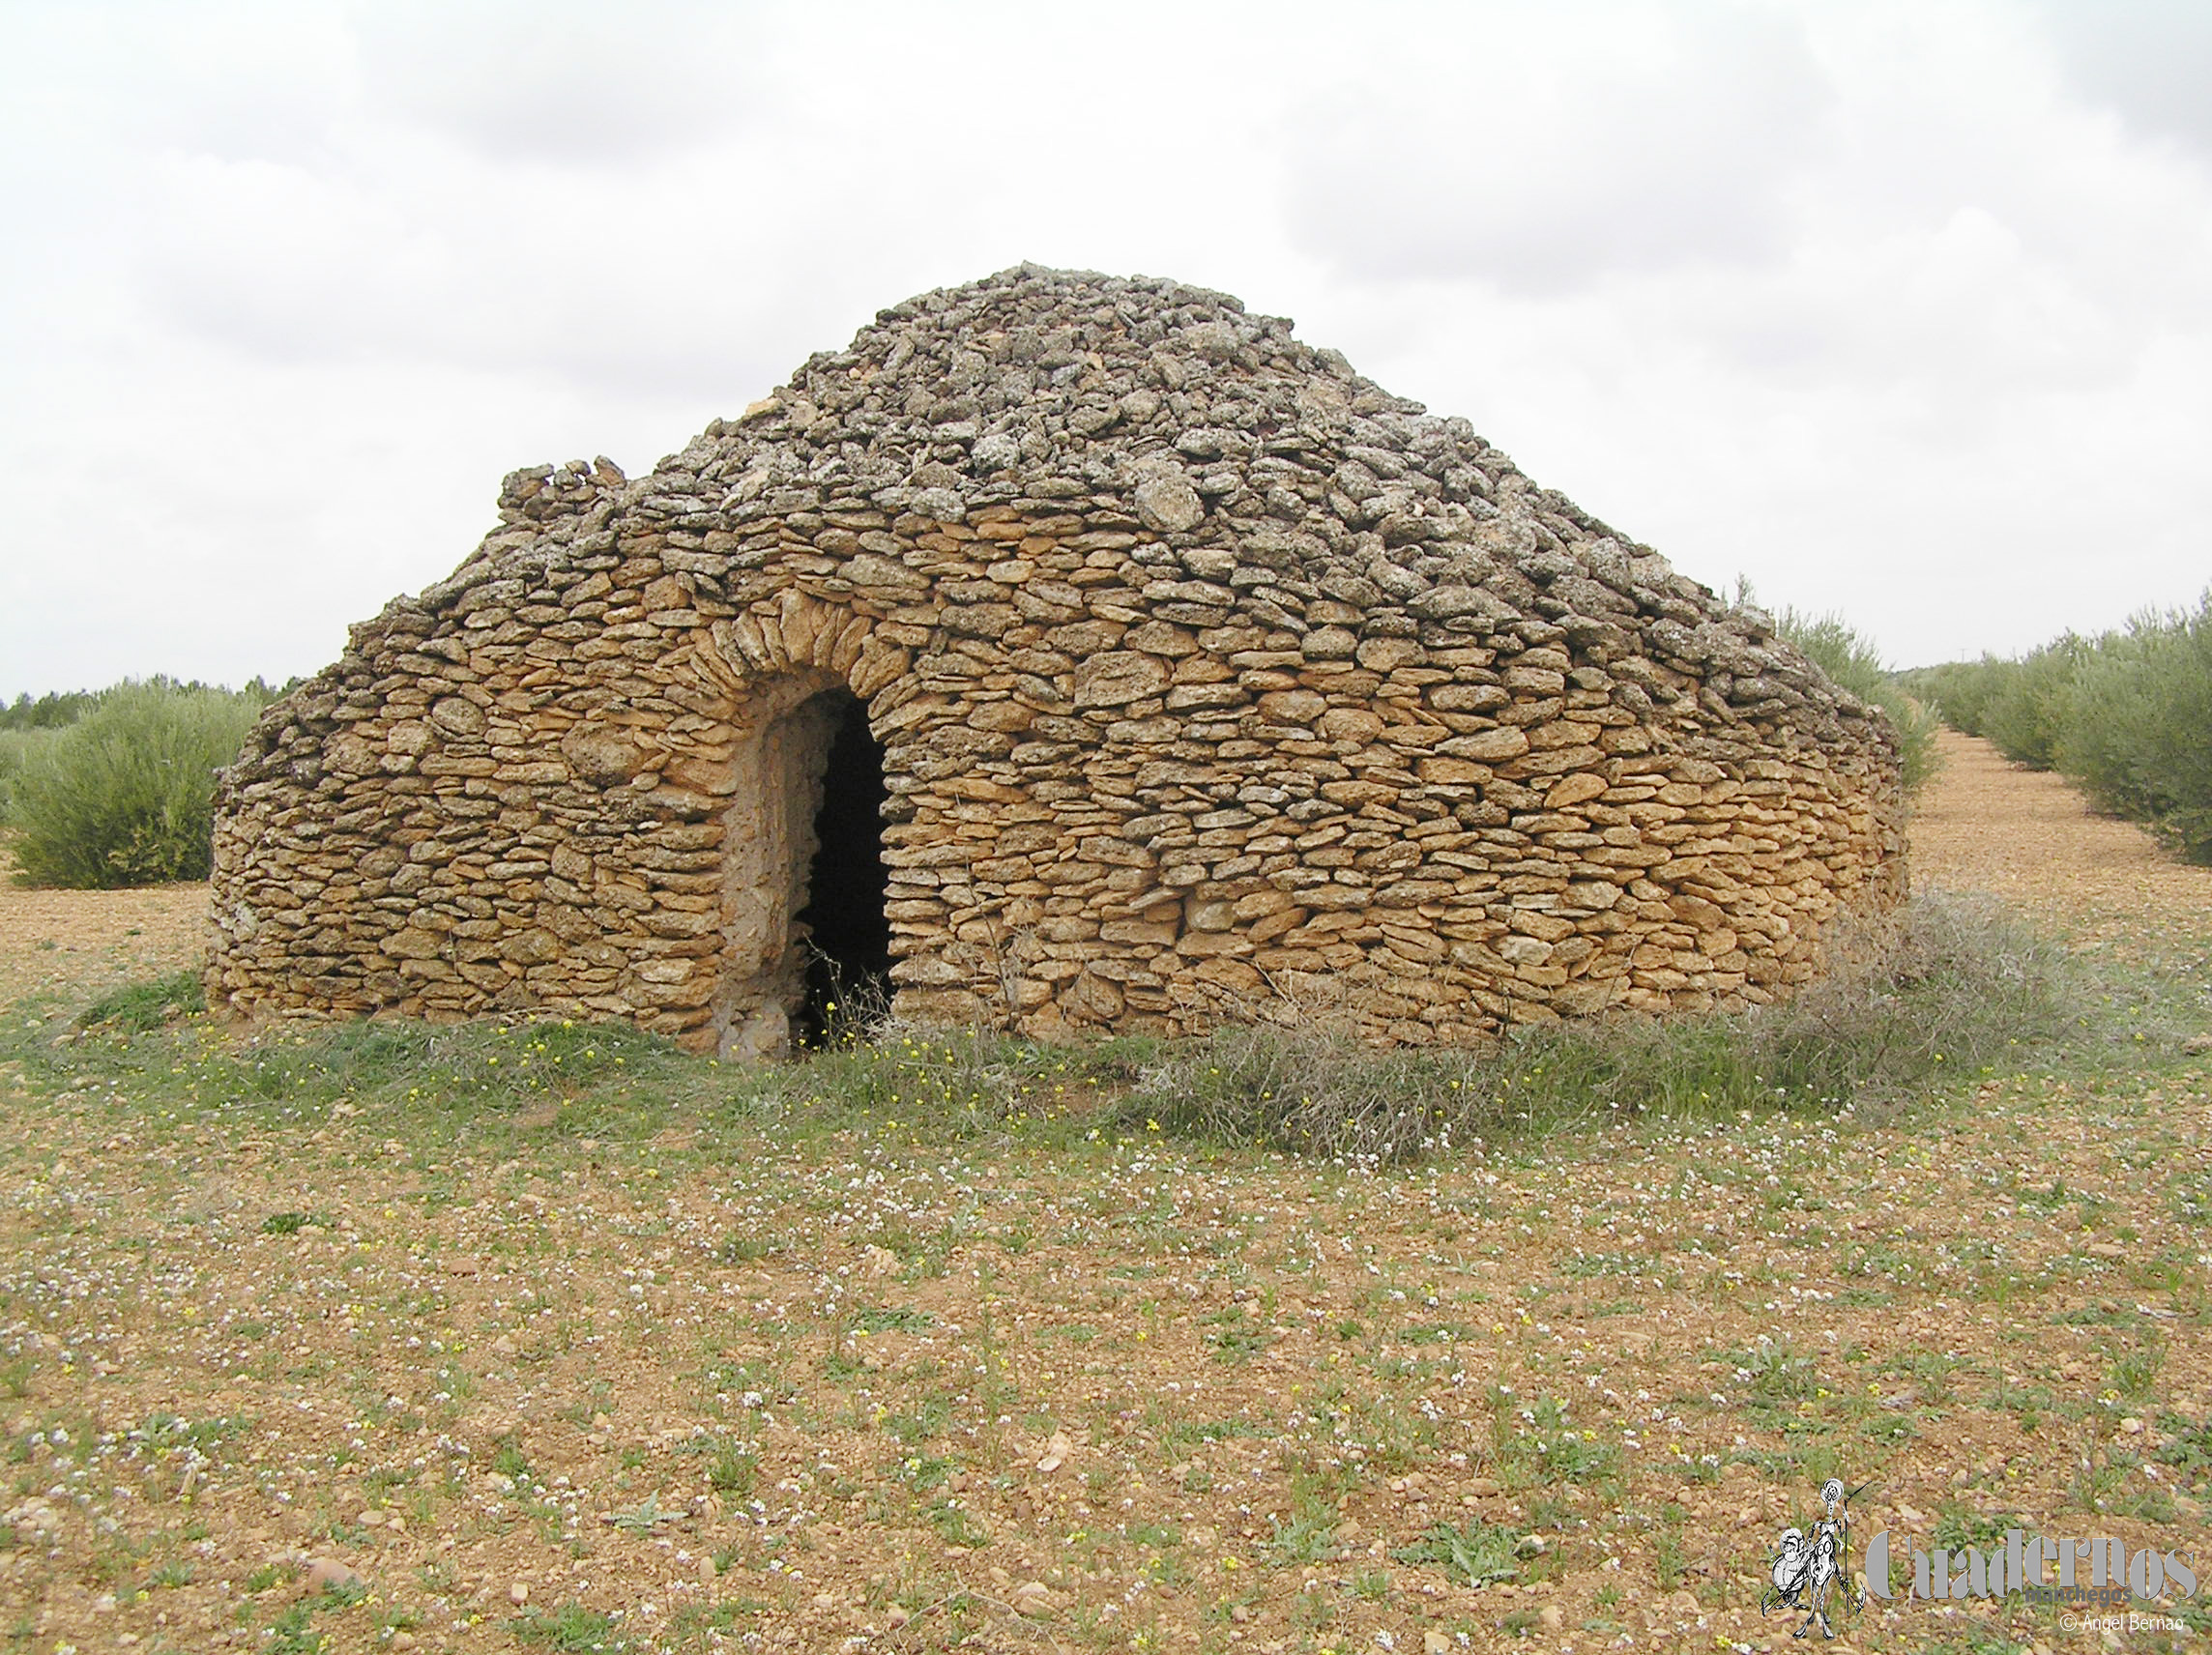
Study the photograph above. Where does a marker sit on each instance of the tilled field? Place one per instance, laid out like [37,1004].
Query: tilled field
[286,1382]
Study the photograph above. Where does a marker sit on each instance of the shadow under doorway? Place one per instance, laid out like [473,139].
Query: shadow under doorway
[849,941]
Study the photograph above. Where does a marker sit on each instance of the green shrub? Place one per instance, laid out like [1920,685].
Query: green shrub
[1472,1554]
[2024,714]
[125,795]
[572,1629]
[2135,726]
[1962,692]
[18,747]
[137,1007]
[1853,663]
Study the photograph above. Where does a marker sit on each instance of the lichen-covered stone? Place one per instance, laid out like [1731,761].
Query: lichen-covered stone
[1214,683]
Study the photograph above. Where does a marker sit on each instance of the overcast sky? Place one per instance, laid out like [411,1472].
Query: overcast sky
[1902,310]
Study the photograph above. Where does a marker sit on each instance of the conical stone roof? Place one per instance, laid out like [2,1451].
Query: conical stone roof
[1213,680]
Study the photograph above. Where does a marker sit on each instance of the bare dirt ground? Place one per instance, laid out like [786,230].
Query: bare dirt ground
[278,1380]
[71,940]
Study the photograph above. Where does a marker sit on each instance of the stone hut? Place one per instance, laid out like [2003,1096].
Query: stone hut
[1083,653]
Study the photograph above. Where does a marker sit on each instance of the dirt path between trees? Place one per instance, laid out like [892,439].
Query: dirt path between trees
[1986,824]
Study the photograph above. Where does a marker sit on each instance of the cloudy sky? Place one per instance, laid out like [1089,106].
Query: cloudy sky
[1902,310]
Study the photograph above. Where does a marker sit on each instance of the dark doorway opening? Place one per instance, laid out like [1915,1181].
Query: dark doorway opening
[848,952]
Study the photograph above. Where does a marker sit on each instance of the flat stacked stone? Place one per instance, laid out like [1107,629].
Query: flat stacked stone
[1214,683]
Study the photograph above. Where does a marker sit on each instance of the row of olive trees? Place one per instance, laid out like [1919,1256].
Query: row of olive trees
[118,787]
[2126,717]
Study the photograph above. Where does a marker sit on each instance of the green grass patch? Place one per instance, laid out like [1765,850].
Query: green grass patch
[891,1319]
[1472,1554]
[138,1007]
[570,1630]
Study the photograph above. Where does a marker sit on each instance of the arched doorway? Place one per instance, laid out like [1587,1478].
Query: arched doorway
[847,936]
[803,879]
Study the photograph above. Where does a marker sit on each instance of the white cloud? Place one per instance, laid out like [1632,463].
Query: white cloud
[543,82]
[1563,146]
[1903,309]
[2149,61]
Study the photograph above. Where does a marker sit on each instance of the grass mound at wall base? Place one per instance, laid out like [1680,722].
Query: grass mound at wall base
[1946,988]
[1947,991]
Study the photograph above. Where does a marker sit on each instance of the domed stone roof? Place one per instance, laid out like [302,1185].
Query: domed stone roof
[1203,679]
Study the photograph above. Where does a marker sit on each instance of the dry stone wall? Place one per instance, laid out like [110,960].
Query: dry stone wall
[1214,683]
